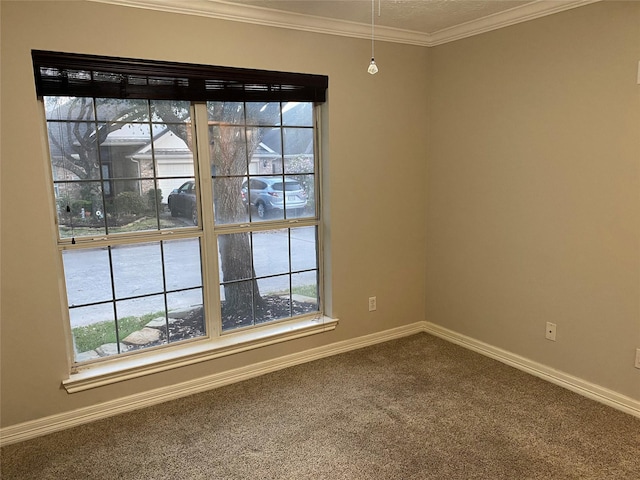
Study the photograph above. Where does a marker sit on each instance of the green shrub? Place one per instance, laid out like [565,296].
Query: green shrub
[129,203]
[154,197]
[78,205]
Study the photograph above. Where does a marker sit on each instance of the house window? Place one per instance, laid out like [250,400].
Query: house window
[186,218]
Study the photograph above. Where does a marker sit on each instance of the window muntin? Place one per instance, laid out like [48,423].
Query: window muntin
[158,311]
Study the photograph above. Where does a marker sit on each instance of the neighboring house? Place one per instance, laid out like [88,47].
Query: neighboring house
[127,154]
[173,159]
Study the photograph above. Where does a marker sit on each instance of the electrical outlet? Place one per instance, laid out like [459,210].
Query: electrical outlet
[637,357]
[372,304]
[550,333]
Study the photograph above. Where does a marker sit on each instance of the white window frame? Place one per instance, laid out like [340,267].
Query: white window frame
[215,343]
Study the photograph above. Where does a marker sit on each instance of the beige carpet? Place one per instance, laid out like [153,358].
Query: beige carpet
[415,408]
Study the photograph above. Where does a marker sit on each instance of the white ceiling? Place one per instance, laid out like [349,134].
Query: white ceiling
[416,22]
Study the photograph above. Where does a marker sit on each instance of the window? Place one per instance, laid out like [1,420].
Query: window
[187,200]
[263,210]
[127,288]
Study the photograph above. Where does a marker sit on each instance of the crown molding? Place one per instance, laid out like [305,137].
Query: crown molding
[520,14]
[224,10]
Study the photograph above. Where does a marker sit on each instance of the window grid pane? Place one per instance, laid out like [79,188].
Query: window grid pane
[261,169]
[114,166]
[136,296]
[278,279]
[126,168]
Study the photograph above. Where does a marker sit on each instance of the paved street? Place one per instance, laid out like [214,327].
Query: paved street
[137,271]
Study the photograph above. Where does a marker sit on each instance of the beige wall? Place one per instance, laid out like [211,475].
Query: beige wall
[533,191]
[521,181]
[375,173]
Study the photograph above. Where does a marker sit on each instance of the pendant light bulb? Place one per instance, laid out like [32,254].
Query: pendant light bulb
[373,68]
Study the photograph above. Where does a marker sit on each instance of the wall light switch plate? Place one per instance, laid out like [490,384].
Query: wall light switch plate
[637,357]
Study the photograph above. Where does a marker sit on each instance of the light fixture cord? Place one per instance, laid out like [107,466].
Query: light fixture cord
[372,26]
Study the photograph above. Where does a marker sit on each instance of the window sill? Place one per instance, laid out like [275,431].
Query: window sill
[121,369]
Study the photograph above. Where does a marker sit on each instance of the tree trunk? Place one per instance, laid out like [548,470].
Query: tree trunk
[235,251]
[241,292]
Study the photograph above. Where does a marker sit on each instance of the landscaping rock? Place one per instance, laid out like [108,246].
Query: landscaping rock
[160,323]
[143,337]
[303,299]
[84,356]
[109,349]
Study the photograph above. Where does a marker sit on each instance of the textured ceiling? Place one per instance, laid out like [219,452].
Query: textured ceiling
[425,16]
[416,22]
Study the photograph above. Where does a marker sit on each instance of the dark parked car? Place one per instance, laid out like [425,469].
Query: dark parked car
[182,201]
[271,193]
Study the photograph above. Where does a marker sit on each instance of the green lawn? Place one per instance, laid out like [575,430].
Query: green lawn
[306,290]
[92,336]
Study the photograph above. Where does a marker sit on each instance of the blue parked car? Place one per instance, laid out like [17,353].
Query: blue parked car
[268,194]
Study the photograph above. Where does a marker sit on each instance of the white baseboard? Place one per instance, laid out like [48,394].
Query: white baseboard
[54,423]
[575,384]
